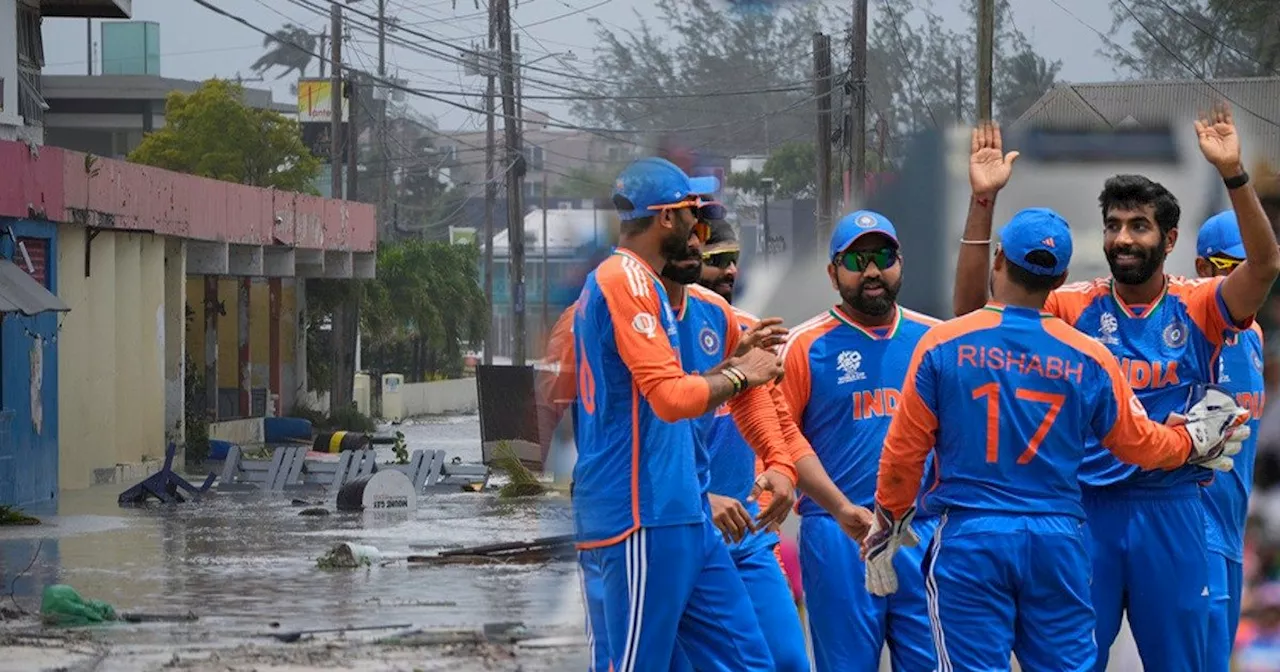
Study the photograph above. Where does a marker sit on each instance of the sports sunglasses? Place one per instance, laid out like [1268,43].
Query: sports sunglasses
[721,259]
[701,228]
[883,258]
[1225,263]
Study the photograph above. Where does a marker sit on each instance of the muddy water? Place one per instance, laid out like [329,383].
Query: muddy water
[243,562]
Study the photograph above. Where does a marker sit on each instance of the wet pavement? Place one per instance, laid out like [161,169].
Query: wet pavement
[245,564]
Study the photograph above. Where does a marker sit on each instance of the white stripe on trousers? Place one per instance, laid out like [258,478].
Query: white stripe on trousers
[637,576]
[586,604]
[931,595]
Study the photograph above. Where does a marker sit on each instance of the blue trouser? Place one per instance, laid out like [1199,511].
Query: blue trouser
[593,601]
[1226,578]
[669,587]
[1150,559]
[850,626]
[1001,584]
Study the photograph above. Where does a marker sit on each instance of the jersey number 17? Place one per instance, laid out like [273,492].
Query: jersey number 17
[992,393]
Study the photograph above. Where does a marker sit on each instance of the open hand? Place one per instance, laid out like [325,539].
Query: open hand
[767,333]
[989,167]
[1219,141]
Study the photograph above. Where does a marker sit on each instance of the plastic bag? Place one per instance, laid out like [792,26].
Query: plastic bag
[62,605]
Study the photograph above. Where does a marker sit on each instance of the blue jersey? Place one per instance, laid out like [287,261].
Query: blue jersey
[843,384]
[1226,500]
[1007,397]
[636,465]
[708,330]
[1163,349]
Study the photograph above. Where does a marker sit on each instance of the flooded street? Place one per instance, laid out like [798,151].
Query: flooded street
[245,564]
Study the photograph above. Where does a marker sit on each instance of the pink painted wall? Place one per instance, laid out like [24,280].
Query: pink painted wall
[59,184]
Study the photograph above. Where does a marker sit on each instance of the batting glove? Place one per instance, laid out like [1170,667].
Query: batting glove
[882,543]
[1216,425]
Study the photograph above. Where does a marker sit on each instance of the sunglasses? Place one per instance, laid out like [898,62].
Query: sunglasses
[883,258]
[721,259]
[701,228]
[1225,263]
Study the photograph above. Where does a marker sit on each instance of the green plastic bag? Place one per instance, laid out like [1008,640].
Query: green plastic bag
[62,605]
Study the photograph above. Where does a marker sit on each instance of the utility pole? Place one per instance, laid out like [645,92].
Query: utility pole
[324,39]
[383,154]
[959,92]
[822,143]
[490,189]
[354,108]
[767,186]
[515,174]
[88,46]
[986,49]
[335,101]
[858,142]
[546,285]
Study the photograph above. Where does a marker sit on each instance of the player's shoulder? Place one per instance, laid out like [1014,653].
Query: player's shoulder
[707,296]
[915,318]
[746,319]
[624,273]
[946,331]
[801,336]
[1062,331]
[1082,293]
[1180,285]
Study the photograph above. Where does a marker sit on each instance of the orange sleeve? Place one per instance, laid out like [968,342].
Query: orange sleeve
[912,434]
[1134,437]
[556,383]
[757,419]
[1207,309]
[1068,302]
[796,383]
[636,311]
[797,445]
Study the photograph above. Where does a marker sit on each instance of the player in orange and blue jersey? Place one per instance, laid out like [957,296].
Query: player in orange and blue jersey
[1219,251]
[1146,528]
[844,373]
[638,508]
[1005,398]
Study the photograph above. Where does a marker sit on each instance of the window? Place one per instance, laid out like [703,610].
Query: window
[38,252]
[31,103]
[533,157]
[619,154]
[449,153]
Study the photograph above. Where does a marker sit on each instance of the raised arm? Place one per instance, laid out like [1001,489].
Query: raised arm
[912,434]
[1245,290]
[989,171]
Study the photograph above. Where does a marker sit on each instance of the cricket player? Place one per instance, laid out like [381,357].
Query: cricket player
[844,374]
[1005,397]
[1146,528]
[639,510]
[1219,252]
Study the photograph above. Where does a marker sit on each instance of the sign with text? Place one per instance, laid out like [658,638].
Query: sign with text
[315,103]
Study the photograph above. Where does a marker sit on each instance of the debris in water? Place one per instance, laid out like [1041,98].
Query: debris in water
[314,511]
[524,483]
[348,556]
[62,605]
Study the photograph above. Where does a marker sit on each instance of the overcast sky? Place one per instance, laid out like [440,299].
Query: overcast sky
[196,43]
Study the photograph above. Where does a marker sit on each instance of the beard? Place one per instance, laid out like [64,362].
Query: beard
[675,247]
[875,306]
[1149,261]
[722,285]
[683,271]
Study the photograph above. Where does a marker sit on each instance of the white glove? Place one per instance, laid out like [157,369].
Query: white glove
[1216,425]
[882,543]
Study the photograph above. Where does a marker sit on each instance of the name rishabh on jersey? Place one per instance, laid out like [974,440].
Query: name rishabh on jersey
[1163,348]
[1226,500]
[843,384]
[636,465]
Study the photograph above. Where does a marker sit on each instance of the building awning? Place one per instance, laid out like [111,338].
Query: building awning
[20,293]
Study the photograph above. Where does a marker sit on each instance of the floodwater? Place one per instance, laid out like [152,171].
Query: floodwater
[243,562]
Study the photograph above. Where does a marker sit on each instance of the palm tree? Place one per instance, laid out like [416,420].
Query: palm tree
[1025,77]
[291,48]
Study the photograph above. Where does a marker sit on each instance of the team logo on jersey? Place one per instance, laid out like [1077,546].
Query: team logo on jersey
[1175,335]
[866,222]
[1107,329]
[1222,371]
[849,362]
[709,340]
[646,324]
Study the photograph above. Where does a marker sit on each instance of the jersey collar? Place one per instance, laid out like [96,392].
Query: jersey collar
[1150,309]
[997,307]
[869,331]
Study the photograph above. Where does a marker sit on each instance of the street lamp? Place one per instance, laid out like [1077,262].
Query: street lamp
[766,186]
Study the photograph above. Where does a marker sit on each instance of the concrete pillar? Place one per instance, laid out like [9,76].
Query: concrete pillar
[274,399]
[244,358]
[300,382]
[211,345]
[175,338]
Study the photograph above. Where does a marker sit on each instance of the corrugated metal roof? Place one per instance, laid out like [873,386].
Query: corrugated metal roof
[1255,102]
[20,293]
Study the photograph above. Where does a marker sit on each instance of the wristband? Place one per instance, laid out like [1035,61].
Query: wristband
[1237,181]
[736,377]
[965,241]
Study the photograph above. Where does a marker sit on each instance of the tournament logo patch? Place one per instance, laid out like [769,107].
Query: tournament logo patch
[709,340]
[1175,335]
[866,221]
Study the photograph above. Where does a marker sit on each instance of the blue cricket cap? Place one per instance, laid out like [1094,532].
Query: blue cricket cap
[857,224]
[1037,229]
[653,182]
[1220,236]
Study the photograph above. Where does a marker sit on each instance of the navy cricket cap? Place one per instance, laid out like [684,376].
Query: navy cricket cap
[1220,235]
[1037,229]
[857,224]
[721,234]
[653,182]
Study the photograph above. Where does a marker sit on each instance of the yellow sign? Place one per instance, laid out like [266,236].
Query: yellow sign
[315,101]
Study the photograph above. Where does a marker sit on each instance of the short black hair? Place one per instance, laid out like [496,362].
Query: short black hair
[1135,191]
[630,227]
[1034,282]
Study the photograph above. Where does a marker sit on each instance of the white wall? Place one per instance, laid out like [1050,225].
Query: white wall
[441,396]
[9,68]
